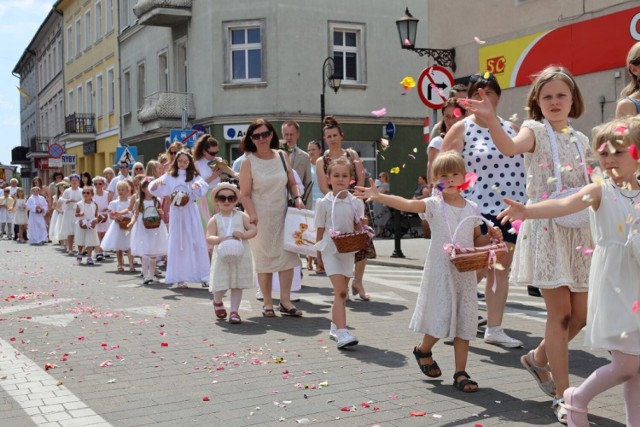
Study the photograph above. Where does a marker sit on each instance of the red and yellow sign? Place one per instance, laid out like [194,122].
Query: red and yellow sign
[585,47]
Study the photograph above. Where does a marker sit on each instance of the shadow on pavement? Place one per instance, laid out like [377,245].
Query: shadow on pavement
[375,356]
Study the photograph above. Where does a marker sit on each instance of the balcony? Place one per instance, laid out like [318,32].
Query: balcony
[79,128]
[163,13]
[164,110]
[39,147]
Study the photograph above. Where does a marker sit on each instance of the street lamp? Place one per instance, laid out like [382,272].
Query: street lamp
[407,29]
[334,80]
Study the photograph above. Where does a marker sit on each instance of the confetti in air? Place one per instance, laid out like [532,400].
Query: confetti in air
[478,41]
[379,113]
[585,251]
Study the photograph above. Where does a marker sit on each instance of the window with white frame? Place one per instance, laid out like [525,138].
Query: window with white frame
[245,42]
[163,72]
[70,104]
[79,99]
[111,92]
[142,85]
[88,86]
[78,38]
[87,29]
[126,92]
[99,95]
[69,44]
[108,11]
[348,51]
[124,14]
[98,17]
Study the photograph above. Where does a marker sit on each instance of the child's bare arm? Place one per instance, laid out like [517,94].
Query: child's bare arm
[250,229]
[212,233]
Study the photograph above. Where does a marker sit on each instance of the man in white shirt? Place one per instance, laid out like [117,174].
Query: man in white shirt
[124,174]
[299,159]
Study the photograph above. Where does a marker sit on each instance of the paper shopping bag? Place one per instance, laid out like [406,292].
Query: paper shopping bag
[300,232]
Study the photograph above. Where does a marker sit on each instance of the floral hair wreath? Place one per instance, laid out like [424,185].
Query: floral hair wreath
[74,175]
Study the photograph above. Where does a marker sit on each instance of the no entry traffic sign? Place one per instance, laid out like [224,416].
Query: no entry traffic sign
[55,150]
[434,86]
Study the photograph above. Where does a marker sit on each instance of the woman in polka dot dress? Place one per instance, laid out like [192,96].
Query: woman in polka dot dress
[499,176]
[546,255]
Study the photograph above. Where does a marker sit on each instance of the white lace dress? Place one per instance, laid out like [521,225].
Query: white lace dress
[151,242]
[546,255]
[447,304]
[231,276]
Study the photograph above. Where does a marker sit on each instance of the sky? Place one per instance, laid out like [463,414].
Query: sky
[19,21]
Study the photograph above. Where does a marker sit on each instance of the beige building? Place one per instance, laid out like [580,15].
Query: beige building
[521,37]
[90,55]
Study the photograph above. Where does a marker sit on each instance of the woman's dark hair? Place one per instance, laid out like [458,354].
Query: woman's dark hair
[36,178]
[89,182]
[249,146]
[481,81]
[451,102]
[144,183]
[203,143]
[57,174]
[330,122]
[191,169]
[316,143]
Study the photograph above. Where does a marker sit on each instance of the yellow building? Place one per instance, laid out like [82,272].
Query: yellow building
[90,56]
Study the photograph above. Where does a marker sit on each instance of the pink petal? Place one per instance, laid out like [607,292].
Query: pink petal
[478,41]
[379,113]
[636,307]
[205,399]
[516,224]
[384,142]
[407,42]
[457,112]
[633,151]
[164,344]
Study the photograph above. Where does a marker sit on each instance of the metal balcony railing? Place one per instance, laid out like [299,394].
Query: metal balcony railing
[80,123]
[166,105]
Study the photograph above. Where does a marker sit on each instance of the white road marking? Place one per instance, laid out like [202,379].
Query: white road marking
[39,395]
[150,310]
[30,305]
[60,320]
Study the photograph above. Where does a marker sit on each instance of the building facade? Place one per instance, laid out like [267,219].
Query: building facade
[590,38]
[92,106]
[223,64]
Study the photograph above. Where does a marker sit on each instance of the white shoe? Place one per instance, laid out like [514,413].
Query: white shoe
[345,339]
[501,339]
[333,332]
[294,297]
[259,296]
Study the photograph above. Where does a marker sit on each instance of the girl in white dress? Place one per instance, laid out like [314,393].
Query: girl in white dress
[101,197]
[116,238]
[20,217]
[56,216]
[148,241]
[69,198]
[37,206]
[86,235]
[447,304]
[187,255]
[6,213]
[338,204]
[229,223]
[613,316]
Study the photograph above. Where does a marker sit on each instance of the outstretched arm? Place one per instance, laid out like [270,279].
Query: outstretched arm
[371,194]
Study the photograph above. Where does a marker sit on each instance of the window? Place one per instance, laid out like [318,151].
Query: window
[348,52]
[245,43]
[78,38]
[182,69]
[69,44]
[87,29]
[111,101]
[124,14]
[98,20]
[70,104]
[99,95]
[109,14]
[54,60]
[141,84]
[126,93]
[80,99]
[163,72]
[89,96]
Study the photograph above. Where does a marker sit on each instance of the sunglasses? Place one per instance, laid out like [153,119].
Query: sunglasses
[124,166]
[635,61]
[213,153]
[223,199]
[261,135]
[98,184]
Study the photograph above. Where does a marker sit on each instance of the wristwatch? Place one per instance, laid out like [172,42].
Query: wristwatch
[297,197]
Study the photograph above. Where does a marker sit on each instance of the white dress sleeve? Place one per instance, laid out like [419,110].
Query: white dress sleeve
[161,190]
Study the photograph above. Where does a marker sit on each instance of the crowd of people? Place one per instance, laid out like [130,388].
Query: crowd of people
[484,175]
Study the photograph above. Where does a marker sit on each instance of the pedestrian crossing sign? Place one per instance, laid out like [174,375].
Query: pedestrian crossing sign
[126,154]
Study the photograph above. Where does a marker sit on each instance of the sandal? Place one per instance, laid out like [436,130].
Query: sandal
[432,370]
[575,416]
[268,312]
[548,387]
[293,311]
[218,309]
[120,268]
[234,318]
[462,385]
[559,410]
[359,290]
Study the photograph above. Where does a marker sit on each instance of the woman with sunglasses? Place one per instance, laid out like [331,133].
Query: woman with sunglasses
[629,103]
[498,176]
[265,177]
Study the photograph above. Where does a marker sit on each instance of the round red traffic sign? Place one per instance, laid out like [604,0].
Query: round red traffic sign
[434,86]
[55,150]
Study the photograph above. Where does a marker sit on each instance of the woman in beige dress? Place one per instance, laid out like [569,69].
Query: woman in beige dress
[265,176]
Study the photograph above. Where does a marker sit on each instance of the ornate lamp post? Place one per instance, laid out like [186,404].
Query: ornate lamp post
[407,29]
[329,76]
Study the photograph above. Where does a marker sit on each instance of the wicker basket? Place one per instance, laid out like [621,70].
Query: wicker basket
[151,217]
[123,222]
[349,242]
[475,258]
[180,197]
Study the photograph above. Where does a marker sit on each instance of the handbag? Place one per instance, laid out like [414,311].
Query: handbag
[230,250]
[578,219]
[300,232]
[348,241]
